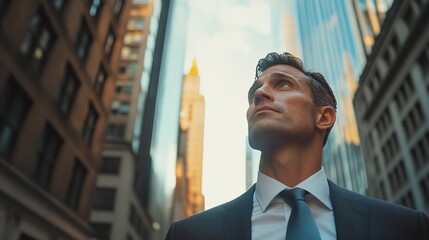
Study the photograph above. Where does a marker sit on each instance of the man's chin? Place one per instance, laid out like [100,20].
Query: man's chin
[260,140]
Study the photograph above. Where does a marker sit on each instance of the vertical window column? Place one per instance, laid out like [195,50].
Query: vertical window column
[76,183]
[89,125]
[14,106]
[47,155]
[68,90]
[38,40]
[83,41]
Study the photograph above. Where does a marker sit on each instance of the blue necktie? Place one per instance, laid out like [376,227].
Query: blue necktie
[301,224]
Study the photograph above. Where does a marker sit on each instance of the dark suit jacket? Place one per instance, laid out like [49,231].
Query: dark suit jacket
[356,217]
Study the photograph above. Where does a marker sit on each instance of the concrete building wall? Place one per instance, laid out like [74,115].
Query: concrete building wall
[392,107]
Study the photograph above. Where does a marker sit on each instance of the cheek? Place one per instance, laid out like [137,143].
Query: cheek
[249,110]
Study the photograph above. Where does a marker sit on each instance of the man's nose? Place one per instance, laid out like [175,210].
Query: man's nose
[263,94]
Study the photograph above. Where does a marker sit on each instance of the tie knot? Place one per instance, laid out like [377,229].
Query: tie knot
[290,196]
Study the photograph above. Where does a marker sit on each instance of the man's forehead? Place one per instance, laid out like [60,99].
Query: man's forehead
[281,70]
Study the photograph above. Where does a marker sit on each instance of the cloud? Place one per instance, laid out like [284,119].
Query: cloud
[253,17]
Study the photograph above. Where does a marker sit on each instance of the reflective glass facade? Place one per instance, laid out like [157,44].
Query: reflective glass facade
[330,45]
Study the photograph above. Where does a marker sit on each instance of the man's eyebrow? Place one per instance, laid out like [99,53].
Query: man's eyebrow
[282,75]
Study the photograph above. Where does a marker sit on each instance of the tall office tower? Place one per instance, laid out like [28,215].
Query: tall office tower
[117,211]
[328,31]
[290,32]
[370,15]
[190,154]
[392,107]
[158,143]
[58,64]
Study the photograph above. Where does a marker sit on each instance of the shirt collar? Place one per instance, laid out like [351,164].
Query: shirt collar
[267,188]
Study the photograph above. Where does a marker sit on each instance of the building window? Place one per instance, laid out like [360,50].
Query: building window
[135,24]
[133,38]
[68,89]
[14,106]
[104,199]
[128,68]
[89,125]
[405,92]
[100,80]
[130,53]
[3,5]
[59,4]
[420,152]
[390,149]
[408,200]
[423,62]
[101,230]
[115,132]
[110,165]
[120,108]
[117,8]
[414,120]
[47,156]
[110,40]
[38,40]
[126,89]
[410,17]
[398,177]
[94,7]
[83,40]
[76,184]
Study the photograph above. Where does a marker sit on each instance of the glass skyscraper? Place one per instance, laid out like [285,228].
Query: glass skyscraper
[330,45]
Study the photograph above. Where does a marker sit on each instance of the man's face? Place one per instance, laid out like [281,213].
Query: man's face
[281,108]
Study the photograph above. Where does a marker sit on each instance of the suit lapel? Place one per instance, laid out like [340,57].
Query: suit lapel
[238,215]
[351,218]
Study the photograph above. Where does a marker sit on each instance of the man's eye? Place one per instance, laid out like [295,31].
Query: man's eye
[284,84]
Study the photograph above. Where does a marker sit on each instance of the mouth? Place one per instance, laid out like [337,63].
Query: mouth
[264,109]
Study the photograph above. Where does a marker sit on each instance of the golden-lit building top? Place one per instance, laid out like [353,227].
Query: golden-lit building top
[190,157]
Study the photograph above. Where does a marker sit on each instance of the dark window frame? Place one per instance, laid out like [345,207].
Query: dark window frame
[94,8]
[69,88]
[12,98]
[110,42]
[90,124]
[38,40]
[117,8]
[77,181]
[111,165]
[104,199]
[115,131]
[83,41]
[100,80]
[46,157]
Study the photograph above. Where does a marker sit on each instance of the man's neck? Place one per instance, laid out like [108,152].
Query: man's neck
[291,165]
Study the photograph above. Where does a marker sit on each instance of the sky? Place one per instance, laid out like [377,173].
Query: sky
[227,38]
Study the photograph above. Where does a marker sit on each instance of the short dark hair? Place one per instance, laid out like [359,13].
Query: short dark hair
[322,93]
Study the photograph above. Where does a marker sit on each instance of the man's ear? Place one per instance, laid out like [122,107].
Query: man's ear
[326,116]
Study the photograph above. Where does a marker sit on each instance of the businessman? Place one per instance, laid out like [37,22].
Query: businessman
[291,112]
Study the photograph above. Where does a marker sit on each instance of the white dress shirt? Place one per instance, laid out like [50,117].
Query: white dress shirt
[271,214]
